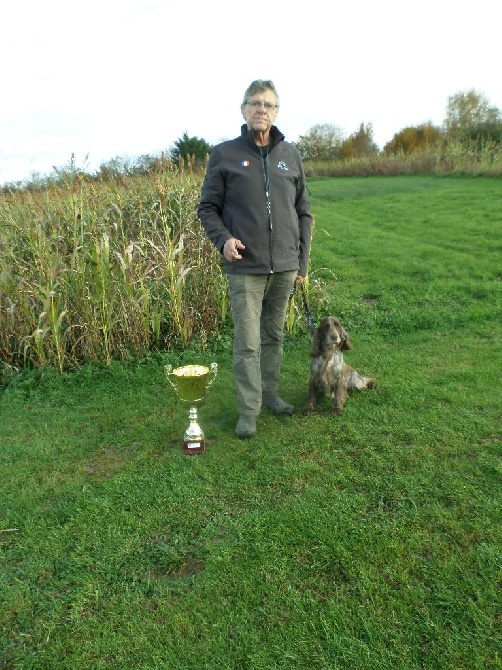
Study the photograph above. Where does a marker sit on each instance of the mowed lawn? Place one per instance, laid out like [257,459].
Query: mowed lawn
[364,541]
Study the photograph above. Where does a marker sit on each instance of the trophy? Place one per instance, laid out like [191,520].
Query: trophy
[192,382]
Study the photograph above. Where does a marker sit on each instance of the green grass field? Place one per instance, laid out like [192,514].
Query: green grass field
[368,541]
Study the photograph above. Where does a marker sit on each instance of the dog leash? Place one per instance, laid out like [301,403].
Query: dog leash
[310,324]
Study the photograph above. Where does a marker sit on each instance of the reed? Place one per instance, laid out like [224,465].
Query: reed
[92,271]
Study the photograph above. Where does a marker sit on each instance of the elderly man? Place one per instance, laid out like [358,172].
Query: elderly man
[255,209]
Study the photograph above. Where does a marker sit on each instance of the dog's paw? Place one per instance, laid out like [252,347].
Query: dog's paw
[337,410]
[308,408]
[370,384]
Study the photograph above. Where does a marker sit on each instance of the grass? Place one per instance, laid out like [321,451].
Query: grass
[368,541]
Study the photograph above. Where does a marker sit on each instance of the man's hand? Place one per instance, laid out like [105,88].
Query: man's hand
[299,279]
[230,249]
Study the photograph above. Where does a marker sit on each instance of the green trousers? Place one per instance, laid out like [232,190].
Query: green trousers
[259,304]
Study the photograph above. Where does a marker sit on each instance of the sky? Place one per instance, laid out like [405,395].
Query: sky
[124,78]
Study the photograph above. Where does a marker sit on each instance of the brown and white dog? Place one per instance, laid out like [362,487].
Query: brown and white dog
[329,374]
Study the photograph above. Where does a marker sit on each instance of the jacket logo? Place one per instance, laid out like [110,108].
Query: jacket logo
[282,165]
[244,163]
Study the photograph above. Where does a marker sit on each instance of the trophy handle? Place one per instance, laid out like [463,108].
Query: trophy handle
[213,372]
[169,371]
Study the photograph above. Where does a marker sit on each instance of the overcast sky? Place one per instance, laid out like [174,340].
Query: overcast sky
[108,78]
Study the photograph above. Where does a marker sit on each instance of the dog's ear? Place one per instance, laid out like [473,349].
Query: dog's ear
[346,343]
[316,342]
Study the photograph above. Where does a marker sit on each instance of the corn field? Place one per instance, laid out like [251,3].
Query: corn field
[92,270]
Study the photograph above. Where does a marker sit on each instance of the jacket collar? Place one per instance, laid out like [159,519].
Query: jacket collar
[275,135]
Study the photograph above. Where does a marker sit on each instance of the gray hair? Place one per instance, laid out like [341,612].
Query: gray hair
[260,86]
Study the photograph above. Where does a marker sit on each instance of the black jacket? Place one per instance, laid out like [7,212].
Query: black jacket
[271,219]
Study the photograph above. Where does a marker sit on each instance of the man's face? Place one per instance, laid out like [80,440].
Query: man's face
[260,111]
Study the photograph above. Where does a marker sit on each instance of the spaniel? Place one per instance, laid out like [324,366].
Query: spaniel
[329,374]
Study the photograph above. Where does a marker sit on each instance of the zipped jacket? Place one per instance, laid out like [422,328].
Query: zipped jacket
[265,206]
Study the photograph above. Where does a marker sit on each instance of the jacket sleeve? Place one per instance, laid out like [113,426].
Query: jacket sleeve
[302,206]
[211,202]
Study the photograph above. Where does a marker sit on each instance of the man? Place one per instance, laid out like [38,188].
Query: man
[255,209]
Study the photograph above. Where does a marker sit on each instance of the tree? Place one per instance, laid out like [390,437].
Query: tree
[190,150]
[321,142]
[148,163]
[359,144]
[413,138]
[485,132]
[114,167]
[467,111]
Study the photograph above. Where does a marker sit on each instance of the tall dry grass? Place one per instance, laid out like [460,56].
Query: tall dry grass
[96,270]
[454,157]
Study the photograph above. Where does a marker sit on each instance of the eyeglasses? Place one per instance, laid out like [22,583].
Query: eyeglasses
[256,104]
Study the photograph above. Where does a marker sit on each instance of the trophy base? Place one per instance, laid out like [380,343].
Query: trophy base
[193,447]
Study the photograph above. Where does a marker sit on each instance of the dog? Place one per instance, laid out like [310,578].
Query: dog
[329,374]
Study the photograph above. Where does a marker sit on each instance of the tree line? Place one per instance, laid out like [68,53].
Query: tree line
[470,119]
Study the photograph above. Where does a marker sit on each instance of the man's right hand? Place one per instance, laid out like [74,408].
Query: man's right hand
[231,249]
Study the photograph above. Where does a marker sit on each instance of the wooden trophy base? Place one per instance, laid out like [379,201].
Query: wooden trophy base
[193,447]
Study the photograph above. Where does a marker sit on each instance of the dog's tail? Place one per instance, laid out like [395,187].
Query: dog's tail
[358,382]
